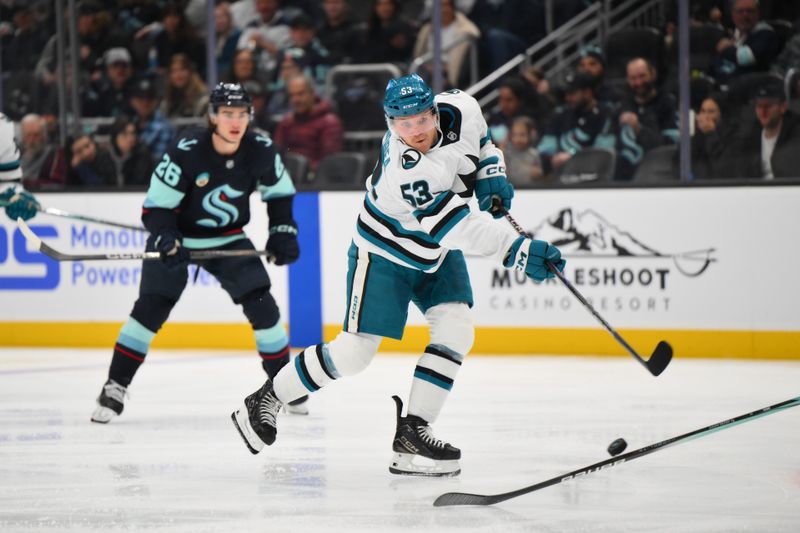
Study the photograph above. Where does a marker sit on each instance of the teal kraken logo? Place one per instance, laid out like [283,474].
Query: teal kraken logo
[216,204]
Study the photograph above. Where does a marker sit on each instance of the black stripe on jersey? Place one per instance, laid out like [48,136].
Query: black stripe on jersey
[434,374]
[395,246]
[322,360]
[439,206]
[421,242]
[469,179]
[447,218]
[435,351]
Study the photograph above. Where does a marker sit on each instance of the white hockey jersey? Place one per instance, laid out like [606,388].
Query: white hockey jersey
[415,209]
[10,171]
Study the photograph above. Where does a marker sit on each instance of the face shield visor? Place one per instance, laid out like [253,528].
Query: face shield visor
[414,125]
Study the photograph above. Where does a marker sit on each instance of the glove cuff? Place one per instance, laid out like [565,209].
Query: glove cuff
[283,228]
[517,255]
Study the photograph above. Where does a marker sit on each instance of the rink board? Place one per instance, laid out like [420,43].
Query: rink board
[712,270]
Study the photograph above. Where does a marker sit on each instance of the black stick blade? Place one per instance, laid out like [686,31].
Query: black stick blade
[661,357]
[461,498]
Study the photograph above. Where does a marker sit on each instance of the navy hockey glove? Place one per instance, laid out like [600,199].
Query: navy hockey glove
[528,256]
[487,190]
[168,244]
[19,204]
[282,248]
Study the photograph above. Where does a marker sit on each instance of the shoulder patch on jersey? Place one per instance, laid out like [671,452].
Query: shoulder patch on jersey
[186,144]
[410,158]
[263,139]
[202,179]
[450,122]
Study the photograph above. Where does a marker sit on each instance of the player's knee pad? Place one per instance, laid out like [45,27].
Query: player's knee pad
[451,326]
[152,310]
[260,308]
[352,352]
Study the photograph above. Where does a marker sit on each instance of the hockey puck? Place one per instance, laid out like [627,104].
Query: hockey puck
[617,447]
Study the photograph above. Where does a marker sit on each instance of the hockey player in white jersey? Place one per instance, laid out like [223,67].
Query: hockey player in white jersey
[18,202]
[407,247]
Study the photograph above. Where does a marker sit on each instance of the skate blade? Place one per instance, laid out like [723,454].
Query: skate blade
[298,409]
[242,423]
[408,464]
[103,415]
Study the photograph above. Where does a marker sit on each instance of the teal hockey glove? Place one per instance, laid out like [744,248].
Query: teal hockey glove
[528,256]
[19,204]
[489,189]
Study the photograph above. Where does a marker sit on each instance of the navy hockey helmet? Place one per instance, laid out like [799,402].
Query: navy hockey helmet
[407,96]
[229,95]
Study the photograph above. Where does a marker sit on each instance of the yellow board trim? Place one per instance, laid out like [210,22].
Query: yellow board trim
[567,341]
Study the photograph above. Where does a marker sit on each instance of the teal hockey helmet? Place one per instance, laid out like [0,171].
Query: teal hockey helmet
[407,96]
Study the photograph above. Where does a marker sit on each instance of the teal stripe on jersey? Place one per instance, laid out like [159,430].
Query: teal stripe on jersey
[308,383]
[433,380]
[271,339]
[485,140]
[135,336]
[282,188]
[375,241]
[210,242]
[395,223]
[454,218]
[161,195]
[11,165]
[443,197]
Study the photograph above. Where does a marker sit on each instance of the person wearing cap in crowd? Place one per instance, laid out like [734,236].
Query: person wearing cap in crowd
[306,51]
[312,128]
[581,123]
[109,96]
[155,131]
[648,116]
[771,148]
[593,62]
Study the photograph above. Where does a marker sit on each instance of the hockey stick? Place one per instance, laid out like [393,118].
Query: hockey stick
[59,213]
[461,498]
[194,255]
[662,354]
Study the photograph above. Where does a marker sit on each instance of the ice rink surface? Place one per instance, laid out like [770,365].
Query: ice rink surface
[173,461]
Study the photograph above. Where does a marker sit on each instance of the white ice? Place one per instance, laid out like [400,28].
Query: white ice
[173,461]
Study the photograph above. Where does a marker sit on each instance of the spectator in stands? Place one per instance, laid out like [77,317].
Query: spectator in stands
[244,68]
[772,148]
[133,161]
[262,119]
[507,27]
[312,128]
[788,58]
[108,96]
[25,41]
[306,51]
[514,100]
[89,164]
[389,37]
[267,34]
[648,117]
[186,94]
[338,33]
[279,92]
[227,36]
[455,26]
[42,161]
[753,46]
[581,124]
[155,131]
[593,62]
[174,35]
[523,164]
[711,137]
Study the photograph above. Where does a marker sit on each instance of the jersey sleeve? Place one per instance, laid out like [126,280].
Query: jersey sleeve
[274,181]
[168,186]
[10,170]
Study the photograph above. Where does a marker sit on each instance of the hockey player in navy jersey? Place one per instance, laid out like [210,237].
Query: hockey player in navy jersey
[198,199]
[407,247]
[18,202]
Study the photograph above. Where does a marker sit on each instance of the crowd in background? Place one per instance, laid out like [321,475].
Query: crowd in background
[142,68]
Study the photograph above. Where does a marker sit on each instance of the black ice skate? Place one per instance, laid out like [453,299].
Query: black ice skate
[110,403]
[255,420]
[417,452]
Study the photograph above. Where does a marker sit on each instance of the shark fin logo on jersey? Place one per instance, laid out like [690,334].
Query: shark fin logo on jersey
[202,179]
[410,158]
[215,203]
